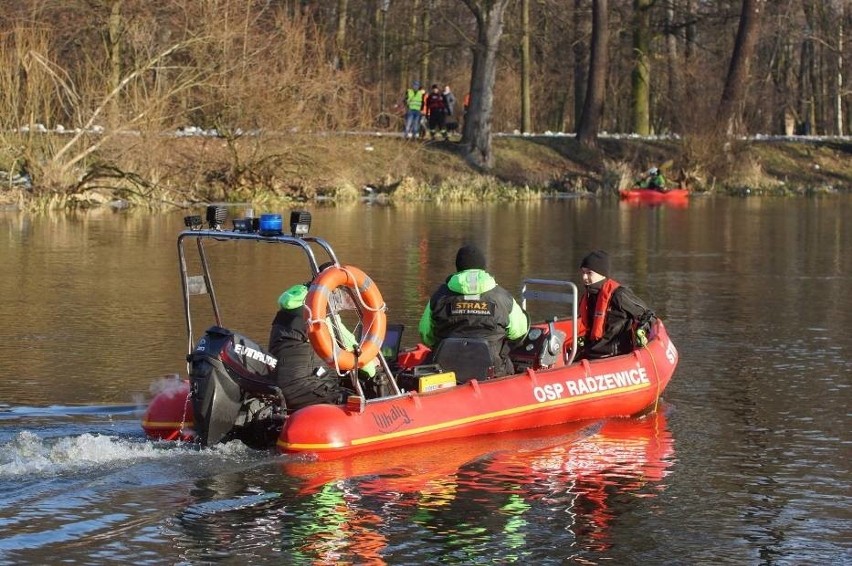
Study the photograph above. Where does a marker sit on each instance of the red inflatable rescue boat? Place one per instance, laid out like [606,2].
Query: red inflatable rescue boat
[231,392]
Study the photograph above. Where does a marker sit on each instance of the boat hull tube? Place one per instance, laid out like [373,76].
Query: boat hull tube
[621,386]
[217,405]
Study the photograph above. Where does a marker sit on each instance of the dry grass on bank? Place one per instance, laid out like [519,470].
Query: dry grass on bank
[162,171]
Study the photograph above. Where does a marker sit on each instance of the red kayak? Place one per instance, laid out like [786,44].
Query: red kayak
[651,196]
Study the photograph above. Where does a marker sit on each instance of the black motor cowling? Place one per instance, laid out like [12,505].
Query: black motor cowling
[230,378]
[541,348]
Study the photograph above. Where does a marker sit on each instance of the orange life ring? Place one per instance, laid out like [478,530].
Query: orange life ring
[373,316]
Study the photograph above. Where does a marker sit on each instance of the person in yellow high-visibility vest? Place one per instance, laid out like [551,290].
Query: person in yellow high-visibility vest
[413,103]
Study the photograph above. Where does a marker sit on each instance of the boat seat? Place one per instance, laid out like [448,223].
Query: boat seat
[469,358]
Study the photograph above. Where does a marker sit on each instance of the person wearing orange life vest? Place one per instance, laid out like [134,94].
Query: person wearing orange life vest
[612,319]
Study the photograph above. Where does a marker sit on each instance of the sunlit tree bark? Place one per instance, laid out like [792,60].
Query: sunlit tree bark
[641,75]
[114,49]
[489,30]
[728,115]
[580,64]
[340,36]
[838,94]
[425,47]
[675,86]
[526,120]
[410,55]
[806,78]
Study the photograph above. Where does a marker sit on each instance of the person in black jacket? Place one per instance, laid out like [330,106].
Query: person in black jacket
[301,375]
[470,304]
[612,319]
[436,112]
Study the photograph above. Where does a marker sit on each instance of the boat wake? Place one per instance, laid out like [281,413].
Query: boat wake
[29,454]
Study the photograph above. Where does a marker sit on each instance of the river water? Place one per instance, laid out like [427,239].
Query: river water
[746,462]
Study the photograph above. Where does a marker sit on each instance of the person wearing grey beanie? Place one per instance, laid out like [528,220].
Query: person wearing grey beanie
[612,319]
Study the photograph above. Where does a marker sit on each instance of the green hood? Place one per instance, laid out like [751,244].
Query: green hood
[471,282]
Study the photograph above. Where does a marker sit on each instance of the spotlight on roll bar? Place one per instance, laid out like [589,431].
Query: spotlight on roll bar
[192,222]
[300,222]
[216,216]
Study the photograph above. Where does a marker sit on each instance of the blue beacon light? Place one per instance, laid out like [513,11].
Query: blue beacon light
[270,224]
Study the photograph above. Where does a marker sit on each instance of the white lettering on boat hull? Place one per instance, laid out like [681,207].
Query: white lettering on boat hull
[592,384]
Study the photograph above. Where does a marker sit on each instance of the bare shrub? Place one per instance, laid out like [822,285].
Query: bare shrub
[242,74]
[616,175]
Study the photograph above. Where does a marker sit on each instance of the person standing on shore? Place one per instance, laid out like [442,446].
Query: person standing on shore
[450,102]
[436,110]
[413,101]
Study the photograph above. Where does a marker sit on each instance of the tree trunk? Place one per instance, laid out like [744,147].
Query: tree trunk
[580,64]
[675,94]
[587,132]
[838,93]
[115,30]
[729,112]
[410,56]
[477,130]
[526,120]
[340,36]
[425,45]
[641,89]
[690,88]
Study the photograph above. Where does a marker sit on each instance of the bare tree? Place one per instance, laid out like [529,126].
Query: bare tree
[728,114]
[526,121]
[675,88]
[477,128]
[641,88]
[580,66]
[341,58]
[587,131]
[838,94]
[426,51]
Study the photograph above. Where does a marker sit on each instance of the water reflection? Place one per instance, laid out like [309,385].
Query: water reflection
[755,293]
[509,503]
[501,498]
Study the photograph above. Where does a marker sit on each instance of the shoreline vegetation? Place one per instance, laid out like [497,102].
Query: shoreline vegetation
[156,105]
[188,170]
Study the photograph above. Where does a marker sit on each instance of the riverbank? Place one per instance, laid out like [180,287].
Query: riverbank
[186,170]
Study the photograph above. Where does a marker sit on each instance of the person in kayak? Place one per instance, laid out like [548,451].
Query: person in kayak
[654,180]
[612,319]
[471,304]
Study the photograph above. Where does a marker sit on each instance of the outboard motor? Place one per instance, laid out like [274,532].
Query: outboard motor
[542,348]
[234,395]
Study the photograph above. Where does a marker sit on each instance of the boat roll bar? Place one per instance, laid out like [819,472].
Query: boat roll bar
[571,296]
[268,228]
